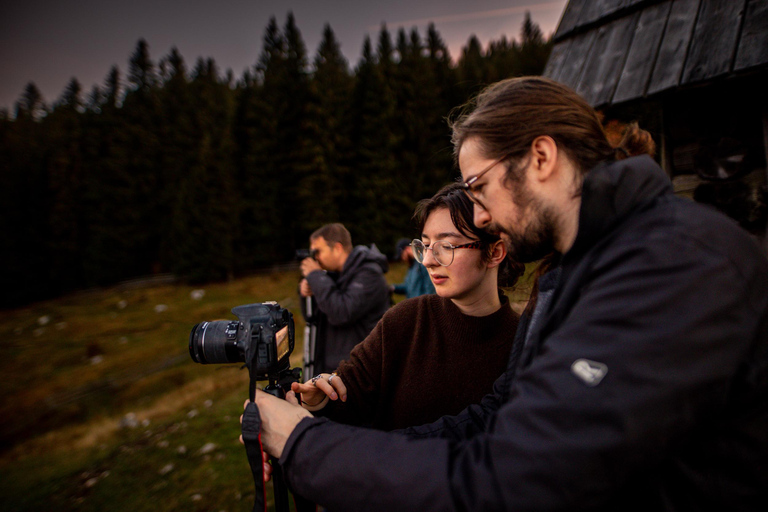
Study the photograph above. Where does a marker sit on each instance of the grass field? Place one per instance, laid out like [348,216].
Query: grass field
[103,409]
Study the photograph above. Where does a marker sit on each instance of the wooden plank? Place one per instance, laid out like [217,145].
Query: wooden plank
[573,63]
[642,55]
[603,66]
[597,9]
[714,40]
[570,17]
[753,44]
[556,60]
[674,46]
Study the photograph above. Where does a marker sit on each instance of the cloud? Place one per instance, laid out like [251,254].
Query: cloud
[480,15]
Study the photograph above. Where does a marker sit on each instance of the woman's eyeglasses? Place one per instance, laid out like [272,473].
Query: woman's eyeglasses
[442,251]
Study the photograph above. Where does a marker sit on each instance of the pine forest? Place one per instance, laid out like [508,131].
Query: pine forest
[184,170]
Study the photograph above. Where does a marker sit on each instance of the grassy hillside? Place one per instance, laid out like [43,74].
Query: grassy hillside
[103,409]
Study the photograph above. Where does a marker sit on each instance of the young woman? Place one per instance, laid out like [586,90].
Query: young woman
[435,354]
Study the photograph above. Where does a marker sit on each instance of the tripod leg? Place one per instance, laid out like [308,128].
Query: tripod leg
[279,487]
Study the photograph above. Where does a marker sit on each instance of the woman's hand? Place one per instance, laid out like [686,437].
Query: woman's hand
[316,392]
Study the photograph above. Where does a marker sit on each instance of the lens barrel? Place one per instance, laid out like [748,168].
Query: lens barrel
[216,342]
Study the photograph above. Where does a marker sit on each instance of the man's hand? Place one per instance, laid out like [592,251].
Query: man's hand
[278,419]
[304,289]
[308,265]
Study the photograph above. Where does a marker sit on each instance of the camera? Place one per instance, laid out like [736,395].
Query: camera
[302,254]
[262,338]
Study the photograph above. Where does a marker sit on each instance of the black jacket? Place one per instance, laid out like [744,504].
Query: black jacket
[351,303]
[645,388]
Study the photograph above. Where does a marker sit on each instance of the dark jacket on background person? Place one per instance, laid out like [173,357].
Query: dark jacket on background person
[351,302]
[416,282]
[642,386]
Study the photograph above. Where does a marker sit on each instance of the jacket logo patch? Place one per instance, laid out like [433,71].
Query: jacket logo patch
[590,372]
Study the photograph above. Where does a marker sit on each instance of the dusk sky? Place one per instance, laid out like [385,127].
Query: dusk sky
[50,41]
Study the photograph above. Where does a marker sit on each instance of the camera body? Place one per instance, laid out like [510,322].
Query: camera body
[262,338]
[302,254]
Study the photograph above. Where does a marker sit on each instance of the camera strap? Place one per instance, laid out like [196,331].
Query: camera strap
[252,439]
[251,430]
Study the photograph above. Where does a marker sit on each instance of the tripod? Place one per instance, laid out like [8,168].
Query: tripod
[252,439]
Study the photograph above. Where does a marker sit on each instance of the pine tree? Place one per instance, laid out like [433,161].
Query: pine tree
[320,193]
[534,50]
[31,104]
[373,193]
[141,110]
[471,68]
[204,220]
[178,151]
[107,199]
[23,204]
[64,170]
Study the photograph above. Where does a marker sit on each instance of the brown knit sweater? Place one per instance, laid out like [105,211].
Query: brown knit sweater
[423,360]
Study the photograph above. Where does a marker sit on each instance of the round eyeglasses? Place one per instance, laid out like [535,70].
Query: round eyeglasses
[442,251]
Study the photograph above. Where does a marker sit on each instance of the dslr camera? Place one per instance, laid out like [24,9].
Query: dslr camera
[302,254]
[262,338]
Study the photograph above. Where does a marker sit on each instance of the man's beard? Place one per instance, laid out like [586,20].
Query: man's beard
[538,239]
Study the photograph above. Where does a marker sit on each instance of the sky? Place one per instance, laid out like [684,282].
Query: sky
[49,42]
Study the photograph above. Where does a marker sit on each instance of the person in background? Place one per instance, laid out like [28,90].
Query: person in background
[350,292]
[417,281]
[643,376]
[403,373]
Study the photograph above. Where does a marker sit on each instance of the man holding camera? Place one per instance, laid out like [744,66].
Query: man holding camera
[349,289]
[642,379]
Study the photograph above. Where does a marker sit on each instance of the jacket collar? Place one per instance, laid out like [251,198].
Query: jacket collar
[611,192]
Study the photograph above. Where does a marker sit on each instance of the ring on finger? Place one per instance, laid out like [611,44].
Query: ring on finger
[334,374]
[316,378]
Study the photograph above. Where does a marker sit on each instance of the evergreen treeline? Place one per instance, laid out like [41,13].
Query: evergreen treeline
[170,169]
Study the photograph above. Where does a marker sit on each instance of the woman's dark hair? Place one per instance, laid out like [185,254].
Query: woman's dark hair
[509,115]
[453,198]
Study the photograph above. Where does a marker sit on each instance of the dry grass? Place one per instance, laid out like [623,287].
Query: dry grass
[74,367]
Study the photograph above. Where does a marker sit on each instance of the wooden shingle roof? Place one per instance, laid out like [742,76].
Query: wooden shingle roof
[614,51]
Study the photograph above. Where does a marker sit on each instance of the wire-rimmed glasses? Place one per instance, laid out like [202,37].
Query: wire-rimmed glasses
[470,187]
[442,251]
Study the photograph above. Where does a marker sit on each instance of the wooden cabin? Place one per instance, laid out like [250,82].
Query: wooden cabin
[692,72]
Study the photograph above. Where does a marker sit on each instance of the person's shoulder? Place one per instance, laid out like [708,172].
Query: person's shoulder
[705,232]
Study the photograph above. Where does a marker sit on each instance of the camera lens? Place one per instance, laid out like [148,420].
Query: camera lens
[215,342]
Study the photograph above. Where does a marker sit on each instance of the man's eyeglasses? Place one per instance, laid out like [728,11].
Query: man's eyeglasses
[469,185]
[442,251]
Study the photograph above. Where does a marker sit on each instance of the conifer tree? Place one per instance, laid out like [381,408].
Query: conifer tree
[31,104]
[23,203]
[534,50]
[378,196]
[64,171]
[269,116]
[320,192]
[472,69]
[178,151]
[142,172]
[204,220]
[107,198]
[295,158]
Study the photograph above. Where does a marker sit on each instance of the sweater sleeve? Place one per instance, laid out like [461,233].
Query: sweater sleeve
[471,421]
[361,374]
